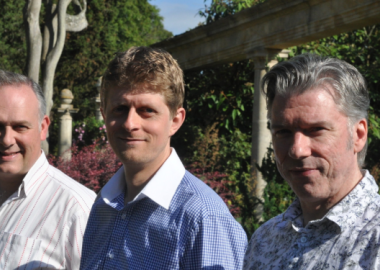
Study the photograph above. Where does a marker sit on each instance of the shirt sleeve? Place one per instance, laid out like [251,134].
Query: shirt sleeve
[217,242]
[73,245]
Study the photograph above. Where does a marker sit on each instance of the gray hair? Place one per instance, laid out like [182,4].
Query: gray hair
[9,78]
[305,72]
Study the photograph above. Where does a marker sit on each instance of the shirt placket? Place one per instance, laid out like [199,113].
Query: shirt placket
[301,242]
[116,246]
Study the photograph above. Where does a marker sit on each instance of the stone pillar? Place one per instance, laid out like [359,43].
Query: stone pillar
[261,137]
[98,114]
[65,124]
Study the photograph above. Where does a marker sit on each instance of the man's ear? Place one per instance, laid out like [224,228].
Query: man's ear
[360,135]
[177,121]
[44,127]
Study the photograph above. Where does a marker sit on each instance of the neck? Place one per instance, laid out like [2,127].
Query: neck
[318,209]
[137,177]
[135,182]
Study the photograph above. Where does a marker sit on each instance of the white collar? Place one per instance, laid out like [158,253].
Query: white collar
[33,175]
[160,189]
[35,172]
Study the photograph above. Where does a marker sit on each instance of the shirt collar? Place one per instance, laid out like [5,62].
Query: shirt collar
[160,189]
[35,172]
[354,204]
[344,212]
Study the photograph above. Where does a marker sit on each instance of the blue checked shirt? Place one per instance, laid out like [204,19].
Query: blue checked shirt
[175,222]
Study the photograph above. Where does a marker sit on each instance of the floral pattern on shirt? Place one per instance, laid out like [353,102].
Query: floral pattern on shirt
[347,237]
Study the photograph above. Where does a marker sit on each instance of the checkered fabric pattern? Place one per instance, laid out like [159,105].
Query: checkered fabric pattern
[197,232]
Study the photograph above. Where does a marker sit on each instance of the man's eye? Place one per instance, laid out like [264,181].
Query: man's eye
[20,127]
[282,133]
[147,110]
[315,129]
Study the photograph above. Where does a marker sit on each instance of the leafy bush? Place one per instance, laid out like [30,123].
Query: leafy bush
[277,194]
[91,165]
[88,131]
[219,183]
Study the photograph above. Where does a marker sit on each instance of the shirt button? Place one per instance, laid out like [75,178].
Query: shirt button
[303,239]
[124,215]
[110,255]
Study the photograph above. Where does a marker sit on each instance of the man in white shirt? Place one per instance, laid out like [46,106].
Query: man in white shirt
[43,212]
[317,108]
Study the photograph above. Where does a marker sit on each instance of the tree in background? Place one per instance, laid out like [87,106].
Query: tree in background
[112,26]
[47,48]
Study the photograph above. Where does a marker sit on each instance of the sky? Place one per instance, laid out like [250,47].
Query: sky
[180,15]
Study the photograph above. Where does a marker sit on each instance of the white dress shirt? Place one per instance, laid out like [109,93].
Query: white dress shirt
[42,224]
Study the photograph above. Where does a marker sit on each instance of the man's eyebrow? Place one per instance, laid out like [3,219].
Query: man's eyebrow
[312,124]
[21,122]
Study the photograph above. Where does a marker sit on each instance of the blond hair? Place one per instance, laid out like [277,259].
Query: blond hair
[154,69]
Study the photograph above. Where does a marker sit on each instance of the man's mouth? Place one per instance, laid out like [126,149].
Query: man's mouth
[133,140]
[302,170]
[8,155]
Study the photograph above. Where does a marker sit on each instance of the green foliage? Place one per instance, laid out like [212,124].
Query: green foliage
[277,194]
[89,131]
[225,92]
[223,8]
[12,36]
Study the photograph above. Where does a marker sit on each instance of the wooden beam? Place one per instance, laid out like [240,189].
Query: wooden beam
[273,24]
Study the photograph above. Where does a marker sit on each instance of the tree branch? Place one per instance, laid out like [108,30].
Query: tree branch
[33,38]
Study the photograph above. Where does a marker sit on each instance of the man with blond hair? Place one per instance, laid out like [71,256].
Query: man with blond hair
[153,214]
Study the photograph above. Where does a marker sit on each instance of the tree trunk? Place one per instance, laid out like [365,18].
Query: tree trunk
[33,38]
[50,29]
[57,22]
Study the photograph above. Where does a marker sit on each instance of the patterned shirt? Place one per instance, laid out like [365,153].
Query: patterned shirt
[175,222]
[42,224]
[347,237]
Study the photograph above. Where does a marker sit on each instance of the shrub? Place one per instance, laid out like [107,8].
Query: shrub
[91,165]
[89,131]
[219,183]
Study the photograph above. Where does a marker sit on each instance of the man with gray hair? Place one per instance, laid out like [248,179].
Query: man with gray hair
[43,212]
[317,108]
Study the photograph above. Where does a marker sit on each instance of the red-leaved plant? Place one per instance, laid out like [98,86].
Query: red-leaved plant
[91,165]
[217,181]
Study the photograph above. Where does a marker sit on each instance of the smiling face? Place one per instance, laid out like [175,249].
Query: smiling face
[21,132]
[139,126]
[315,152]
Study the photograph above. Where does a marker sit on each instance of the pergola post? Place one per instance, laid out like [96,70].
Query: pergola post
[261,136]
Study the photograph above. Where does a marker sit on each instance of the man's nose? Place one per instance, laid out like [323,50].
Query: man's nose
[133,120]
[300,147]
[7,136]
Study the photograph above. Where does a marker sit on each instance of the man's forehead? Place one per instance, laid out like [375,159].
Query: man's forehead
[303,103]
[133,89]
